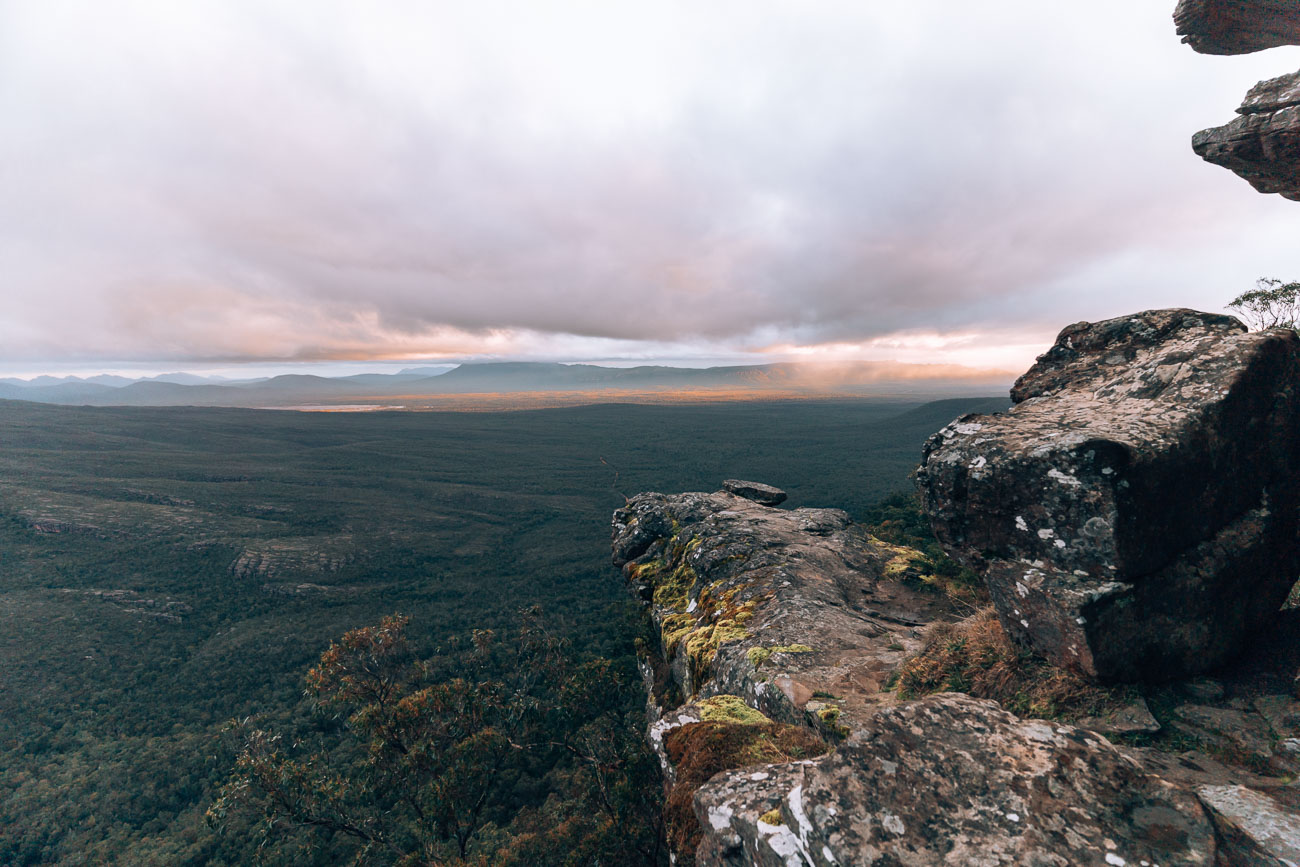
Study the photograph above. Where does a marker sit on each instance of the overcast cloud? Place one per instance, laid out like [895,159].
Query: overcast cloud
[267,181]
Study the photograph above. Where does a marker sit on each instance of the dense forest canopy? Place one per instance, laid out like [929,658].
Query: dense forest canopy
[163,571]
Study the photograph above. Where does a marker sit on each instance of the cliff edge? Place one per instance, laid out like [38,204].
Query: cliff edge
[804,699]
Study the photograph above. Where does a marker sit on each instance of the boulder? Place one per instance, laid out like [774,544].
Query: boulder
[1237,26]
[1262,144]
[1134,513]
[756,491]
[955,780]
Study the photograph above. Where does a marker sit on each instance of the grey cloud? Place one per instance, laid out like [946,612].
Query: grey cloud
[326,180]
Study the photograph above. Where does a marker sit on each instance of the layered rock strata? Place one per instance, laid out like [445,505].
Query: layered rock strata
[1262,144]
[1134,514]
[1237,26]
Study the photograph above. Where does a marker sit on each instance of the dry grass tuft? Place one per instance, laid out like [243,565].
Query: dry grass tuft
[700,750]
[976,657]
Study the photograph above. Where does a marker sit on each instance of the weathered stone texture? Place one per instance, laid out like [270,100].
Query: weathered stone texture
[771,605]
[1254,830]
[1262,144]
[756,491]
[1134,513]
[954,780]
[1237,26]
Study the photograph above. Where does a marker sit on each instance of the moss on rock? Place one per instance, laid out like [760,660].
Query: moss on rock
[700,750]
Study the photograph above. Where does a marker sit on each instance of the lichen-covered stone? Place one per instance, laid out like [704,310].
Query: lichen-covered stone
[1134,514]
[780,608]
[1255,831]
[1262,144]
[954,780]
[1237,26]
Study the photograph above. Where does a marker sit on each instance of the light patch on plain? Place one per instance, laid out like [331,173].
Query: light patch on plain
[1046,534]
[1013,817]
[760,775]
[1115,860]
[720,817]
[1024,623]
[690,609]
[829,855]
[1021,590]
[1020,523]
[967,428]
[892,824]
[1060,543]
[979,463]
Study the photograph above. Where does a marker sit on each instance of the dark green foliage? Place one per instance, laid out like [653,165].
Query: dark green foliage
[111,705]
[1271,304]
[899,519]
[436,759]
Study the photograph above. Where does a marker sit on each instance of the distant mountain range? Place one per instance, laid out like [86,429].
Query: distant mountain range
[407,386]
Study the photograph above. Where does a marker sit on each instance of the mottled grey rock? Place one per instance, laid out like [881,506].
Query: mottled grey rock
[773,606]
[954,780]
[756,491]
[1134,718]
[1262,144]
[1227,731]
[1254,829]
[1237,26]
[1134,513]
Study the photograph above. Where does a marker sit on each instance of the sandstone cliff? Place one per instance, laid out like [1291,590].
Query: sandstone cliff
[1262,144]
[792,651]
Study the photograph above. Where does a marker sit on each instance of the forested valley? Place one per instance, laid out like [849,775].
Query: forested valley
[166,571]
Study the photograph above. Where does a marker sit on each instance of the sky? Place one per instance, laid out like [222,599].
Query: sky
[255,186]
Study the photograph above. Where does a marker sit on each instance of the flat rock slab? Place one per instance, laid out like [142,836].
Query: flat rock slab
[756,491]
[1134,513]
[954,780]
[1254,828]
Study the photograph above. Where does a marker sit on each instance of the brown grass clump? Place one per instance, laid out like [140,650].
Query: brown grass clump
[976,657]
[700,750]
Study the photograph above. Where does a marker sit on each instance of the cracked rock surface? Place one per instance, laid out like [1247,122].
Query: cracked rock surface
[1134,514]
[950,779]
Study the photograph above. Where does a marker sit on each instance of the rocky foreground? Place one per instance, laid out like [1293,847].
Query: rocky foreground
[779,635]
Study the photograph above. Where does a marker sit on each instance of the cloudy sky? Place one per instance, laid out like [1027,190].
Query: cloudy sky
[233,185]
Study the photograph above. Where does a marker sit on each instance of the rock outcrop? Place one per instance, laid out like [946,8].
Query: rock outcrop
[1262,144]
[1237,26]
[781,608]
[954,780]
[1134,514]
[777,635]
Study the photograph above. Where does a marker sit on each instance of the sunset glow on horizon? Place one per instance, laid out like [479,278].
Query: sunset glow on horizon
[243,186]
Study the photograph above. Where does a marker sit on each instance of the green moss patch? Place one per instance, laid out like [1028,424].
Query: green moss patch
[759,655]
[730,708]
